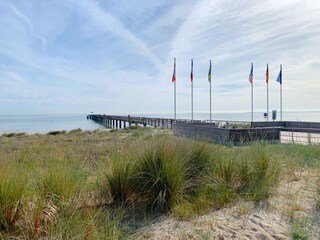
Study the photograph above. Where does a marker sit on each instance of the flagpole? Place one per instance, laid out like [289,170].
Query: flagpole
[267,92]
[210,95]
[209,79]
[281,102]
[252,102]
[252,96]
[267,101]
[175,102]
[192,100]
[175,94]
[281,93]
[191,89]
[210,105]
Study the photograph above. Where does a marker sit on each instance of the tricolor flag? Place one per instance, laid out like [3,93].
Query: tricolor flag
[279,78]
[267,74]
[209,73]
[251,74]
[191,74]
[174,72]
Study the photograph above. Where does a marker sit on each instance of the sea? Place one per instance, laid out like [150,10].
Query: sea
[58,122]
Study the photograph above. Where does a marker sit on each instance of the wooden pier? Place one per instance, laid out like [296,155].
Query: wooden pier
[220,131]
[216,131]
[112,121]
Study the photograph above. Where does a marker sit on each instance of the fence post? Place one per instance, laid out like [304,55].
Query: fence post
[309,138]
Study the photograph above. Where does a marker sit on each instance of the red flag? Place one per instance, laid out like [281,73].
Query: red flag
[191,74]
[174,72]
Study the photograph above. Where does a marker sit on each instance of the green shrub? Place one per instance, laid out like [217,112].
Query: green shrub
[56,132]
[9,135]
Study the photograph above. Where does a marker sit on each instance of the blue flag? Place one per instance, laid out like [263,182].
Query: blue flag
[279,78]
[251,74]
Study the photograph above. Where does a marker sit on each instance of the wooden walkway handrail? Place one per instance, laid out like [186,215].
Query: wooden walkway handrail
[115,121]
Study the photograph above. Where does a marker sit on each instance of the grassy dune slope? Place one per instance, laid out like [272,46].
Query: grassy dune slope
[107,185]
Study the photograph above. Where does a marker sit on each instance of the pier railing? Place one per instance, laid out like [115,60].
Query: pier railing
[222,130]
[114,121]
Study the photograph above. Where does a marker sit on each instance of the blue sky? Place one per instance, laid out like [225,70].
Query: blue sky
[116,56]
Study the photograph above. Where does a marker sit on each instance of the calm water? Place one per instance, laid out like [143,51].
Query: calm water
[46,123]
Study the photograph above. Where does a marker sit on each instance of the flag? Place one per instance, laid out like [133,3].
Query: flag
[279,78]
[191,74]
[251,74]
[174,71]
[267,74]
[209,73]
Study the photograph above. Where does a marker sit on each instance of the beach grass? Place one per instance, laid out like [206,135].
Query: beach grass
[12,190]
[92,185]
[318,194]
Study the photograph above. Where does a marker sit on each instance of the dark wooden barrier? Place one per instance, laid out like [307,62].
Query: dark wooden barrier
[225,135]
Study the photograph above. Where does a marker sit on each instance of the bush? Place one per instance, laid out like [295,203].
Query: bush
[56,132]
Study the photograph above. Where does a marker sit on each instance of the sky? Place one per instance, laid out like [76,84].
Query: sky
[116,56]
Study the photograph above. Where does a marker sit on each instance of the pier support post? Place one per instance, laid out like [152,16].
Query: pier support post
[120,122]
[124,124]
[116,123]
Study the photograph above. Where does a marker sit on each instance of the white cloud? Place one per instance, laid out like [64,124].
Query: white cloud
[30,25]
[16,77]
[109,23]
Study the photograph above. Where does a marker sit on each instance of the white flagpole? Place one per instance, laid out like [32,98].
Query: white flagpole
[191,89]
[175,102]
[252,95]
[267,91]
[281,92]
[210,93]
[175,94]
